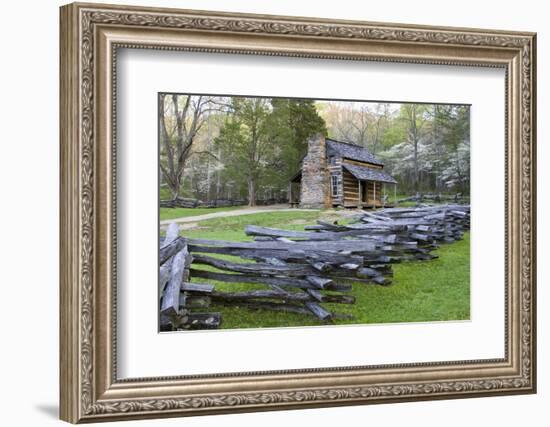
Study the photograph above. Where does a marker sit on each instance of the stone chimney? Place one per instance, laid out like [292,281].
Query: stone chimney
[315,179]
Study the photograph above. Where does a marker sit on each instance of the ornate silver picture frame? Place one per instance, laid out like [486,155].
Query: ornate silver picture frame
[91,35]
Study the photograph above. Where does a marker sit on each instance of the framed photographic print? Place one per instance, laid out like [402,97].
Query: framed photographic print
[266,212]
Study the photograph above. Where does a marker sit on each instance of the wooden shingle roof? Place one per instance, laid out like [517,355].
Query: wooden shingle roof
[364,173]
[352,152]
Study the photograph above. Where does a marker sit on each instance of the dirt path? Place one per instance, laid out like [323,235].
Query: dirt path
[243,211]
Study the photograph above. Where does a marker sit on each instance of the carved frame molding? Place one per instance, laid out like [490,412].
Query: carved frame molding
[90,36]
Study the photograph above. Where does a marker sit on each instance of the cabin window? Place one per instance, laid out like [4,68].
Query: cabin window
[332,160]
[335,185]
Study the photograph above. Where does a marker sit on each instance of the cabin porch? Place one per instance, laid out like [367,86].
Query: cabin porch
[362,193]
[364,187]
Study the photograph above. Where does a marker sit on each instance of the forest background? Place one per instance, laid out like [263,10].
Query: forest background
[245,148]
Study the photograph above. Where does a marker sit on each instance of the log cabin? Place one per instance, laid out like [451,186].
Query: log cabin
[335,173]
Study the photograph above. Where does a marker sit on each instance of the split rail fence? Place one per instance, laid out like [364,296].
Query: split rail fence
[434,198]
[182,202]
[299,270]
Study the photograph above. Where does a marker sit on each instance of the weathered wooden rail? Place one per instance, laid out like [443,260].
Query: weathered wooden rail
[376,239]
[174,276]
[300,270]
[293,280]
[434,197]
[182,202]
[179,202]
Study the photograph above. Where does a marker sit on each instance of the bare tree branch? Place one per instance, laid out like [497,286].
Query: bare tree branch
[188,114]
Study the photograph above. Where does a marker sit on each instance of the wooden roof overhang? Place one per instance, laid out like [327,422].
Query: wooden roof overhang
[364,173]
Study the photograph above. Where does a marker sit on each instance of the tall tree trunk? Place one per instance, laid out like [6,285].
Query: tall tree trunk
[413,132]
[459,174]
[218,180]
[188,112]
[176,186]
[435,140]
[416,177]
[168,171]
[251,191]
[191,176]
[208,180]
[208,171]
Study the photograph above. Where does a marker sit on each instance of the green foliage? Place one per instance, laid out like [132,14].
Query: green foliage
[249,148]
[263,140]
[427,148]
[292,123]
[165,193]
[394,135]
[434,290]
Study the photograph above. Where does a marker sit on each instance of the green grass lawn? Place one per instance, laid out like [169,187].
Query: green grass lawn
[173,213]
[433,290]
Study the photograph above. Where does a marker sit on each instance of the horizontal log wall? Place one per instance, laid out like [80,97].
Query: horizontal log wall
[351,189]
